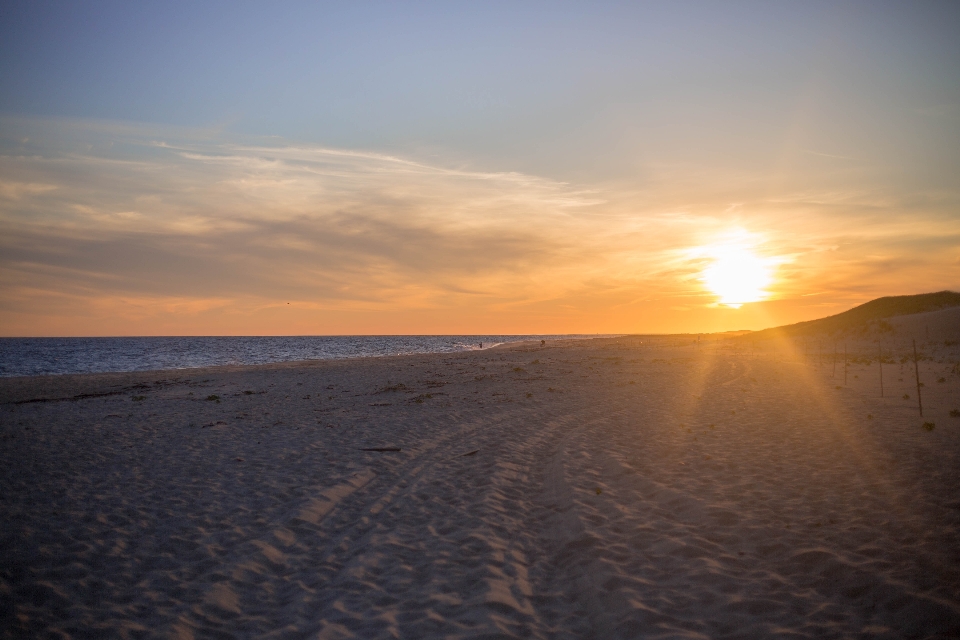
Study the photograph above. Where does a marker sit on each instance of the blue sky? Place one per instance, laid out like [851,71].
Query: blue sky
[547,87]
[810,125]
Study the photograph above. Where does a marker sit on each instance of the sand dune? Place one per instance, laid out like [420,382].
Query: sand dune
[942,325]
[590,489]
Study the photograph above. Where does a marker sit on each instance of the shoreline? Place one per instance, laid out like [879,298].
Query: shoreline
[97,379]
[214,351]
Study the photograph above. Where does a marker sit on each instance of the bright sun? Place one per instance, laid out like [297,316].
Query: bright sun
[736,275]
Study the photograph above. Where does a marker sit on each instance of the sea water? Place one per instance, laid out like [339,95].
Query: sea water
[53,356]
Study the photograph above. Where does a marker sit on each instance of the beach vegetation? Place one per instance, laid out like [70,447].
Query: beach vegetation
[955,413]
[139,398]
[396,387]
[213,398]
[519,369]
[906,396]
[928,426]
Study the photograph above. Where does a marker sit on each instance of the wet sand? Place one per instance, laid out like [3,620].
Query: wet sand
[609,488]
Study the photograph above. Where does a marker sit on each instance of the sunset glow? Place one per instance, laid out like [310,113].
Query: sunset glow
[303,170]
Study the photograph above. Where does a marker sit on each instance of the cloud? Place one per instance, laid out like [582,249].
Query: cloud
[98,219]
[305,223]
[17,190]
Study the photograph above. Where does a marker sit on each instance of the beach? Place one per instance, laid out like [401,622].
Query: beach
[633,487]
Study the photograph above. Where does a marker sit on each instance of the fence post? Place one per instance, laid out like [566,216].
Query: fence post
[916,370]
[880,362]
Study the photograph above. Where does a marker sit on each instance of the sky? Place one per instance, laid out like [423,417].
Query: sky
[306,168]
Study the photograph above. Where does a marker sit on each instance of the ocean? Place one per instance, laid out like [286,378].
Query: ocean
[57,356]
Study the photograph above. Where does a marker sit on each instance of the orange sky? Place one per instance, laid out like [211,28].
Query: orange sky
[193,236]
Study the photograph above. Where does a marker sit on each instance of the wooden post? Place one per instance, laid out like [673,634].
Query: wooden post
[916,370]
[844,364]
[880,362]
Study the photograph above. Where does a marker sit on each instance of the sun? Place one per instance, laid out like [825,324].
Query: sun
[737,275]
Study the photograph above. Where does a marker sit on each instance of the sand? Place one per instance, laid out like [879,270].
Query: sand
[610,488]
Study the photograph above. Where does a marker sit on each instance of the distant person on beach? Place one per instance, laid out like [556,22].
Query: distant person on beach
[543,342]
[481,345]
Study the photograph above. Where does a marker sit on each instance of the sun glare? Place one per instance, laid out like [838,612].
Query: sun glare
[737,275]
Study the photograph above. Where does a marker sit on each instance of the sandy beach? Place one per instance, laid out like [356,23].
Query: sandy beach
[634,487]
